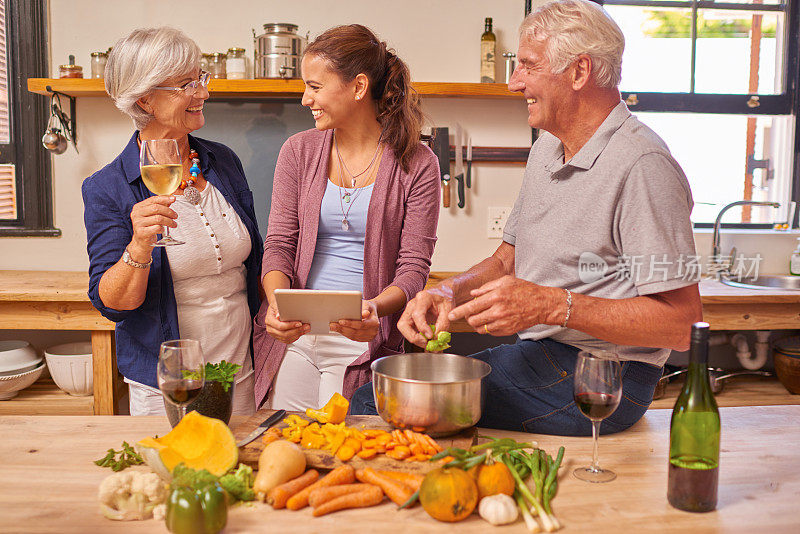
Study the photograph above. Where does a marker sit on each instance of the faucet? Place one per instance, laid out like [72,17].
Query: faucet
[715,240]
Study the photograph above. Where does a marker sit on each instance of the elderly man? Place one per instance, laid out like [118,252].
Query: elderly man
[594,252]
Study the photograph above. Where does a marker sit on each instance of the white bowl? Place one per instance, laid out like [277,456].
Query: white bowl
[71,367]
[13,384]
[17,356]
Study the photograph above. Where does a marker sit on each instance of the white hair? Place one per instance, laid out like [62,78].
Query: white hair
[574,27]
[143,60]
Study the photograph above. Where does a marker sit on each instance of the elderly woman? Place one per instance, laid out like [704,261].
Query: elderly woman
[206,289]
[355,205]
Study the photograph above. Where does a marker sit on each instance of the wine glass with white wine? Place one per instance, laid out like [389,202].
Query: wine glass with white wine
[162,170]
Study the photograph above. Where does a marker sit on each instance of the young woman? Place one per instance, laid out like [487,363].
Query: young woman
[355,205]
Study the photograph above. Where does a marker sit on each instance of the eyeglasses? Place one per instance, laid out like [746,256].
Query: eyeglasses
[190,88]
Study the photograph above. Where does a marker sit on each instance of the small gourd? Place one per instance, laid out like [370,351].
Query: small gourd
[498,509]
[280,461]
[448,494]
[492,477]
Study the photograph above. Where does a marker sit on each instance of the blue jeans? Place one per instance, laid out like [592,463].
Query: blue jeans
[530,390]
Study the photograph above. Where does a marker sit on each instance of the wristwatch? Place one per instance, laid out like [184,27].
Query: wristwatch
[126,258]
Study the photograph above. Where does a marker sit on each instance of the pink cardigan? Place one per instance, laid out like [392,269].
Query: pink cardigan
[401,231]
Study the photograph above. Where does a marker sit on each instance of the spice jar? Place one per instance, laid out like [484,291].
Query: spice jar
[234,64]
[204,61]
[98,62]
[70,71]
[216,65]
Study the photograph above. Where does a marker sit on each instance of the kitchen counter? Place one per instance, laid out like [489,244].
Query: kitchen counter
[50,483]
[724,307]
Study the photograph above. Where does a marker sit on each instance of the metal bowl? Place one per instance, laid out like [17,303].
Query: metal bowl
[439,394]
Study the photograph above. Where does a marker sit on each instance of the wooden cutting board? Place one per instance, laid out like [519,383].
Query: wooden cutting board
[319,459]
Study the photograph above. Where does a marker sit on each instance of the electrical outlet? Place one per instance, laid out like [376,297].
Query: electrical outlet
[498,216]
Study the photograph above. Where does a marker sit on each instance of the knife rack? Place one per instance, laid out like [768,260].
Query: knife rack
[486,154]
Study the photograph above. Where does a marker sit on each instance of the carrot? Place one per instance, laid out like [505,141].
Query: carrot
[397,491]
[432,442]
[370,496]
[412,480]
[323,495]
[278,495]
[344,474]
[400,452]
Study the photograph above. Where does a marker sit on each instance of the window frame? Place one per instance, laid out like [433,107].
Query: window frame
[26,31]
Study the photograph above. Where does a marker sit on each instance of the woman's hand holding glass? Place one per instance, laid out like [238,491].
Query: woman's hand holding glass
[365,329]
[148,218]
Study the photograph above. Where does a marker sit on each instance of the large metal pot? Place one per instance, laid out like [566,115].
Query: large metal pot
[438,394]
[278,51]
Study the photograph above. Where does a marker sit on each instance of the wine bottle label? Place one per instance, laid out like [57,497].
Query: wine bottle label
[487,61]
[794,264]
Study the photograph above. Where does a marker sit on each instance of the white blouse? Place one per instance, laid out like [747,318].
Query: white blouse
[210,279]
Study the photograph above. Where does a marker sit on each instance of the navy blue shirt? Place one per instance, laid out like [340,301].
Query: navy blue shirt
[108,198]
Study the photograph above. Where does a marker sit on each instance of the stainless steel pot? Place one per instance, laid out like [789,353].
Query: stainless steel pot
[438,394]
[278,51]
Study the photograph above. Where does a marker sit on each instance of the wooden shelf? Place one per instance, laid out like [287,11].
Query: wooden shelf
[44,398]
[274,88]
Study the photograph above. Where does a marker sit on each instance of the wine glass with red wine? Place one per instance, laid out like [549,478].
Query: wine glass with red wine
[181,372]
[598,390]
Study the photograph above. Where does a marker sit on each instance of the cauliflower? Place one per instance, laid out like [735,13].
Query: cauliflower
[131,495]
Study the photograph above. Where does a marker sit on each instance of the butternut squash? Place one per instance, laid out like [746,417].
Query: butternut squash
[197,441]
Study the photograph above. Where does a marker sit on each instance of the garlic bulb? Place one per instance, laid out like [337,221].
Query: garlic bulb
[498,509]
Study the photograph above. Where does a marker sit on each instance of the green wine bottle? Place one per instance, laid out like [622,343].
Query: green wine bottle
[694,435]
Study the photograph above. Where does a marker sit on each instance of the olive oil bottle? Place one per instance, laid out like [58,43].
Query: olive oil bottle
[488,47]
[694,435]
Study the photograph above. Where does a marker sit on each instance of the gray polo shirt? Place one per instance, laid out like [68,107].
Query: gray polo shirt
[613,222]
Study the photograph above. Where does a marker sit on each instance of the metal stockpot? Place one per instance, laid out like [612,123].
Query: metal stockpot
[278,51]
[439,394]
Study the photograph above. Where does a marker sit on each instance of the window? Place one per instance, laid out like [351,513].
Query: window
[718,82]
[25,183]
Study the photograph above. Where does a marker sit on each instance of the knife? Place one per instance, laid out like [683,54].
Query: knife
[459,174]
[268,422]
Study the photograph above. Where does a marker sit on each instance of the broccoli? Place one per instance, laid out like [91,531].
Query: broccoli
[196,479]
[440,342]
[239,483]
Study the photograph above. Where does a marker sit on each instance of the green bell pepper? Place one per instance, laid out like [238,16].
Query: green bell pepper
[197,511]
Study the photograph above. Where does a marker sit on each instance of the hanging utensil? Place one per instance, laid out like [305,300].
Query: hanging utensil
[459,174]
[440,144]
[469,162]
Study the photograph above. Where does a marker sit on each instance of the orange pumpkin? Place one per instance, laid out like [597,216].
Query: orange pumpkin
[448,494]
[492,479]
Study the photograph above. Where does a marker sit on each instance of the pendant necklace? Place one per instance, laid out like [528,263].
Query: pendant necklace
[349,197]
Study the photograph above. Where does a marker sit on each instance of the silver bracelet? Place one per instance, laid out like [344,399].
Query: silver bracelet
[569,308]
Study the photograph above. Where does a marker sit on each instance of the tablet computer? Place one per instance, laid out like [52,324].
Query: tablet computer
[318,307]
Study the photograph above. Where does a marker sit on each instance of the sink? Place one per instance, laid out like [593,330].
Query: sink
[764,281]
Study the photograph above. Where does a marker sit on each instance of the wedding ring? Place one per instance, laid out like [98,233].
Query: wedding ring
[486,327]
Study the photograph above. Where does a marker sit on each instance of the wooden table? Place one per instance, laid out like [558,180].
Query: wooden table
[57,300]
[724,307]
[49,483]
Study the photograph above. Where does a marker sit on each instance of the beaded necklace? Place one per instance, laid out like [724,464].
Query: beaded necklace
[190,192]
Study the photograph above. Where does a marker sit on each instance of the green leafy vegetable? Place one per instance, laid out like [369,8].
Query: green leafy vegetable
[191,478]
[127,458]
[239,483]
[222,372]
[440,341]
